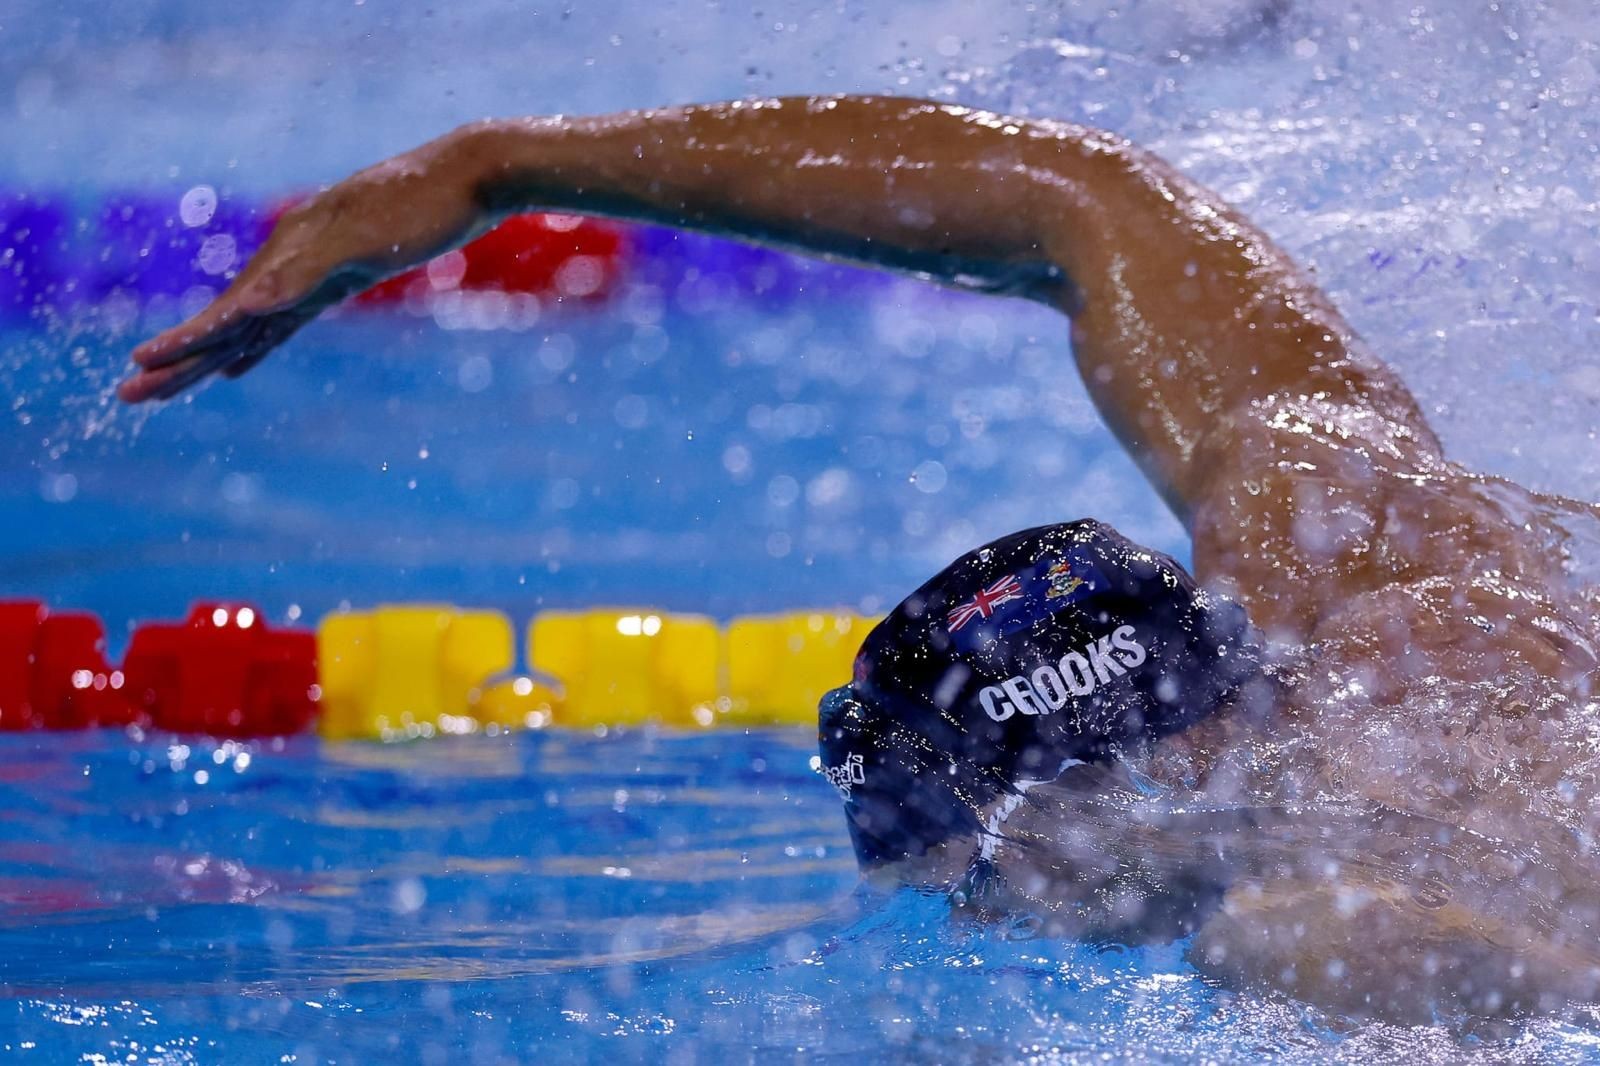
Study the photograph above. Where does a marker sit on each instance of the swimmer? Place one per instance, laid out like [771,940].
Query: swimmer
[1355,763]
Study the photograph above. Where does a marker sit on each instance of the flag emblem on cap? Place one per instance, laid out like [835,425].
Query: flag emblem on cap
[982,605]
[1063,582]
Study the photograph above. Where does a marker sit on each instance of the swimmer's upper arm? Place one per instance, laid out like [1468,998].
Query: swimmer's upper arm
[1194,332]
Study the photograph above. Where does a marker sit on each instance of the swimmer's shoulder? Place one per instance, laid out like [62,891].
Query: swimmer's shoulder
[1310,503]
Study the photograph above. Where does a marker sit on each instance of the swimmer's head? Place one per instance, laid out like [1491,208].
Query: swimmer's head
[1056,645]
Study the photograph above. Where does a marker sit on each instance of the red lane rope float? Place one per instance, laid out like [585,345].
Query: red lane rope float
[223,671]
[566,256]
[53,671]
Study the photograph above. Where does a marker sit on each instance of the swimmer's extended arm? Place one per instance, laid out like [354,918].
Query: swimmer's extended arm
[1183,312]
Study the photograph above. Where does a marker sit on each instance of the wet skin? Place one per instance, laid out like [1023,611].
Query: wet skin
[1405,828]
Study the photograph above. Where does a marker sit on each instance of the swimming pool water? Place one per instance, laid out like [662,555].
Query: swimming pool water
[466,902]
[637,897]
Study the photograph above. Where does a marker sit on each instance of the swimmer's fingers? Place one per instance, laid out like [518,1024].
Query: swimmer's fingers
[239,367]
[229,337]
[192,349]
[217,322]
[245,343]
[170,364]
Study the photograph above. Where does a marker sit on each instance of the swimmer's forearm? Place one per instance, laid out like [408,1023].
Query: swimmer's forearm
[964,197]
[960,196]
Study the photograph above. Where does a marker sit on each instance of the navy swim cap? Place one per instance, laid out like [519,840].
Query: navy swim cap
[1054,645]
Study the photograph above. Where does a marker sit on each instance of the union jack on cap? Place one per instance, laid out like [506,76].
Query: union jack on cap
[982,604]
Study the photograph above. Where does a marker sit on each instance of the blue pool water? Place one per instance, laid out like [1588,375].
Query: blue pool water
[647,896]
[644,897]
[640,898]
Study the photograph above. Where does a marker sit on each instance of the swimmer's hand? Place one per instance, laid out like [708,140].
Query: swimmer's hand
[344,239]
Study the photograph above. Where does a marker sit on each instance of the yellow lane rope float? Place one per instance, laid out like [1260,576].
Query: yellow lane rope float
[407,671]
